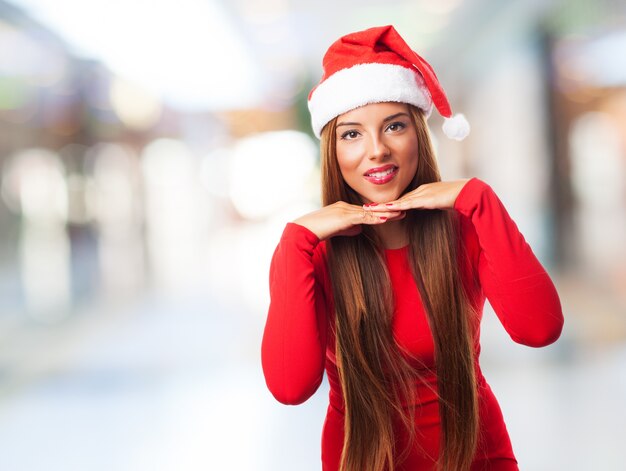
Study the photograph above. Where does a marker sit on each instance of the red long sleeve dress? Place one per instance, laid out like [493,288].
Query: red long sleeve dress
[298,343]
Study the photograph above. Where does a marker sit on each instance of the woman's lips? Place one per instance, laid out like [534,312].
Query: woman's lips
[381,175]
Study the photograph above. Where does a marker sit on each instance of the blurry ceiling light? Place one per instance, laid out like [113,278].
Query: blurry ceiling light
[34,184]
[135,106]
[269,171]
[189,52]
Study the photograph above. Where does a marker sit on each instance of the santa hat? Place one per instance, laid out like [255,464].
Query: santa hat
[374,66]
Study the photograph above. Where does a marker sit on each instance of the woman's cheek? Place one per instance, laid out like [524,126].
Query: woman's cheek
[349,159]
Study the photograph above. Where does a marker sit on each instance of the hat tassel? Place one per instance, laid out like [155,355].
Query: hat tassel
[456,127]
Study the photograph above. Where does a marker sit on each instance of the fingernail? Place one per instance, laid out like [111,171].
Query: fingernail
[383,218]
[388,204]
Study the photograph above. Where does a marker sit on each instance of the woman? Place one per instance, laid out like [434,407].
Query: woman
[383,288]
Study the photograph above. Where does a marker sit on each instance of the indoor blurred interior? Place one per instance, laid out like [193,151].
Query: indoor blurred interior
[151,154]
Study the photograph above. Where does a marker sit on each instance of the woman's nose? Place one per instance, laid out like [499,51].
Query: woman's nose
[378,148]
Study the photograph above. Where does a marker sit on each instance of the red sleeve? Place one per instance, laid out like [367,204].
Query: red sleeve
[294,342]
[517,286]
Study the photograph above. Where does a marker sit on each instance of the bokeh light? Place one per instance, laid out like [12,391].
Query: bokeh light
[268,171]
[136,107]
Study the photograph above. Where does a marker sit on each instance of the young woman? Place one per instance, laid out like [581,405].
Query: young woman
[383,288]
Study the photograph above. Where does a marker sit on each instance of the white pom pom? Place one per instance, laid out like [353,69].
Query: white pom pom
[456,127]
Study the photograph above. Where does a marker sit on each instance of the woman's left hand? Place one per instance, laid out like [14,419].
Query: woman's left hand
[436,195]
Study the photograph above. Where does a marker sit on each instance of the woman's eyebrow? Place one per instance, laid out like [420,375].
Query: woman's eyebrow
[394,116]
[388,118]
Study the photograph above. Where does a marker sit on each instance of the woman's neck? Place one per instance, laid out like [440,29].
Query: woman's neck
[392,234]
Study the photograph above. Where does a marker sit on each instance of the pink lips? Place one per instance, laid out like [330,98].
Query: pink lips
[388,173]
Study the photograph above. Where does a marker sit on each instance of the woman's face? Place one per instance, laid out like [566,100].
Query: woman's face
[377,150]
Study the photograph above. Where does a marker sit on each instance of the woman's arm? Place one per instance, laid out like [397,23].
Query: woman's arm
[294,341]
[515,283]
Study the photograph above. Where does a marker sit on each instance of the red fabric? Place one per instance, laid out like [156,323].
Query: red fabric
[382,45]
[297,345]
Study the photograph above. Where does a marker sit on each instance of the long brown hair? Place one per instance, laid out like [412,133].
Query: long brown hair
[377,380]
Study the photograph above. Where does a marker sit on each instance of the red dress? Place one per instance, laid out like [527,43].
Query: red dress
[298,343]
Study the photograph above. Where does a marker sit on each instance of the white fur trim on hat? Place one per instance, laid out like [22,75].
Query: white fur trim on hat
[362,84]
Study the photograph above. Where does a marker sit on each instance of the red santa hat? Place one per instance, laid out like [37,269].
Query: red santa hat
[374,66]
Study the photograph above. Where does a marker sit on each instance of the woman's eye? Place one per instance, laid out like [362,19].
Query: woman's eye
[350,135]
[398,126]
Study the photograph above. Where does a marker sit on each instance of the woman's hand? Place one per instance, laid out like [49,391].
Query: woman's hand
[436,195]
[342,218]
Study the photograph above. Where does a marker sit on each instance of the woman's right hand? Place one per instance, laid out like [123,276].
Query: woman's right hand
[344,219]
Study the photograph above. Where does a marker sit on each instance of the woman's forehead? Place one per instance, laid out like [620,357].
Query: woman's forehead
[373,111]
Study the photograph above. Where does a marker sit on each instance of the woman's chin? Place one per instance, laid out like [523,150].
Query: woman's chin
[382,197]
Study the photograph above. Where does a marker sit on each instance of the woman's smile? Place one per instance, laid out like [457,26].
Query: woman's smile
[381,175]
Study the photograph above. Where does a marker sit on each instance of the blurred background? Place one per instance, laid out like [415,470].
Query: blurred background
[151,154]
